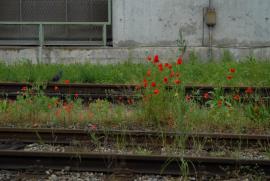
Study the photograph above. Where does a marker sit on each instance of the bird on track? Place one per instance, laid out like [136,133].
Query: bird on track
[57,76]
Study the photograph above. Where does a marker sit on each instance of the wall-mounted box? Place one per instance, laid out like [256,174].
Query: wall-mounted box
[210,17]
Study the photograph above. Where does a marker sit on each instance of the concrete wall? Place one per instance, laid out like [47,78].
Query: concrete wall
[156,22]
[116,55]
[243,28]
[242,23]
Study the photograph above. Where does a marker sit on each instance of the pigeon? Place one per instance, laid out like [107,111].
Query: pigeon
[57,76]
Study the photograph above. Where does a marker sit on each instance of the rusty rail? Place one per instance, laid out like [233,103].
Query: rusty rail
[94,91]
[110,163]
[84,91]
[67,136]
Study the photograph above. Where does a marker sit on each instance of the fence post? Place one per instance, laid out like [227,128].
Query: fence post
[109,12]
[104,37]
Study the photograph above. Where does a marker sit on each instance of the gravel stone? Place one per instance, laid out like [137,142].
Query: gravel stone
[91,176]
[5,175]
[53,178]
[44,147]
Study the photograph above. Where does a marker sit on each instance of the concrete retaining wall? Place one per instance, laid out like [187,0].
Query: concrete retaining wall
[115,55]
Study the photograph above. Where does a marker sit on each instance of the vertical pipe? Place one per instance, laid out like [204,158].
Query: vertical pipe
[104,37]
[210,51]
[203,42]
[109,16]
[210,3]
[41,41]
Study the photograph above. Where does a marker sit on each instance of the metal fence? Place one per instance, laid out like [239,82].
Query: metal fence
[55,22]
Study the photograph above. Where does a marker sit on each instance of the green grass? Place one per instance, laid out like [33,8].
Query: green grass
[250,73]
[159,109]
[166,111]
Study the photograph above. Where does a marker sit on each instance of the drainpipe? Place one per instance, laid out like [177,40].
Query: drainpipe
[210,3]
[210,20]
[210,51]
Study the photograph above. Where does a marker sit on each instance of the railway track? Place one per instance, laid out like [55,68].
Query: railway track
[67,137]
[175,164]
[115,91]
[142,164]
[83,91]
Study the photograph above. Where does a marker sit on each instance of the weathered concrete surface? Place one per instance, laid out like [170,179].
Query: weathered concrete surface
[116,55]
[140,24]
[156,22]
[13,54]
[242,23]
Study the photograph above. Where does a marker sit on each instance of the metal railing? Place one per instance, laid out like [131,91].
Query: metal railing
[42,24]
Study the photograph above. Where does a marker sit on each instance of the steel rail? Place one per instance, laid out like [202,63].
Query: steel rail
[69,136]
[110,163]
[84,91]
[263,90]
[12,90]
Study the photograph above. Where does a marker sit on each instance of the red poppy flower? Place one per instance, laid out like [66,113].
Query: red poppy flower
[67,109]
[170,66]
[229,77]
[76,95]
[232,70]
[67,81]
[156,59]
[166,64]
[145,84]
[144,80]
[49,106]
[93,127]
[165,80]
[160,67]
[188,98]
[138,87]
[177,81]
[24,88]
[120,98]
[179,60]
[148,73]
[172,74]
[206,95]
[130,101]
[249,90]
[236,97]
[156,91]
[58,113]
[149,58]
[220,102]
[153,84]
